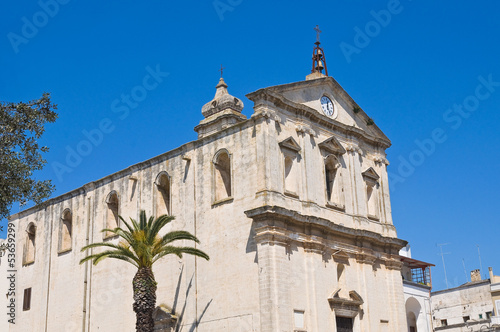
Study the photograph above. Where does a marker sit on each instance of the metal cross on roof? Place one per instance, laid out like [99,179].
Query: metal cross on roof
[318,31]
[221,70]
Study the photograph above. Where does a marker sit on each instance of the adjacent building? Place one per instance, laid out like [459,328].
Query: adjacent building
[468,307]
[495,296]
[417,285]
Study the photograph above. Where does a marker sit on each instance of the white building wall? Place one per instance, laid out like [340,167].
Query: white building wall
[472,299]
[417,301]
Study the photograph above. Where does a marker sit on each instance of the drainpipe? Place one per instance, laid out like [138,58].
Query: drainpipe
[85,277]
[50,260]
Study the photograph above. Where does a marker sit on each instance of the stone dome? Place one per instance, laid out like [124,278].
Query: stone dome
[222,101]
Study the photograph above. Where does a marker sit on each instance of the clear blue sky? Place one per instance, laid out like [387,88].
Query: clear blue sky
[423,70]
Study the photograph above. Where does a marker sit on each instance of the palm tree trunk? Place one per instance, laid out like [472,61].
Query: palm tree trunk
[144,286]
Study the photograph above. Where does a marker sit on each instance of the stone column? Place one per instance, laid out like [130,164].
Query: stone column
[275,306]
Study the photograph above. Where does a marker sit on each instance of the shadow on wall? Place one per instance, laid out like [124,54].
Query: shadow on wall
[167,319]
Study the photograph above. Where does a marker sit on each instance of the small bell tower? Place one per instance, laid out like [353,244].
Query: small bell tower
[318,59]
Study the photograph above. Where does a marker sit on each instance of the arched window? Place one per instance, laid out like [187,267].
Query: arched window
[291,172]
[222,176]
[371,198]
[29,249]
[65,231]
[372,195]
[162,200]
[333,179]
[290,178]
[112,212]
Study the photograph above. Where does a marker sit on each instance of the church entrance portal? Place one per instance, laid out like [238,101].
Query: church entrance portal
[344,324]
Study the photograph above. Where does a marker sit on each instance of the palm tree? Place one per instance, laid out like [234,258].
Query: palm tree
[141,246]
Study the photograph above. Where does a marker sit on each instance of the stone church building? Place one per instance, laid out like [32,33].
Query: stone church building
[291,204]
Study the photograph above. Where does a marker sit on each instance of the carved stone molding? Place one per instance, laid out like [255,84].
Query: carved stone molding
[280,226]
[344,307]
[305,130]
[333,146]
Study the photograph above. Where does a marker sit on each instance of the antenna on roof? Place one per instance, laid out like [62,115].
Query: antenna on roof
[465,271]
[480,264]
[444,266]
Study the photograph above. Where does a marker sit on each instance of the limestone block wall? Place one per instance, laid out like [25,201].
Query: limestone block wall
[310,173]
[266,274]
[210,292]
[469,300]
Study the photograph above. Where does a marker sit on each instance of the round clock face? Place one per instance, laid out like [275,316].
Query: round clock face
[327,106]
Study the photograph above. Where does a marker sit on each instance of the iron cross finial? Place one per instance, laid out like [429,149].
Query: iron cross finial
[221,70]
[318,31]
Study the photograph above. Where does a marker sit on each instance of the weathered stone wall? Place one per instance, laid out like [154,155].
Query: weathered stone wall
[471,299]
[272,252]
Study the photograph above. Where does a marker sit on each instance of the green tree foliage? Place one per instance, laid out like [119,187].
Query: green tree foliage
[141,245]
[21,126]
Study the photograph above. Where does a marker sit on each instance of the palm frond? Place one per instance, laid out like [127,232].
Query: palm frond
[158,224]
[140,243]
[96,258]
[178,251]
[130,229]
[142,220]
[119,250]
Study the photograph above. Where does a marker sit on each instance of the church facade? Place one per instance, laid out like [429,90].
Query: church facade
[291,204]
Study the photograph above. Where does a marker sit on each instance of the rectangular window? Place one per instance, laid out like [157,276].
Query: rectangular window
[480,316]
[444,322]
[298,316]
[489,314]
[466,318]
[27,299]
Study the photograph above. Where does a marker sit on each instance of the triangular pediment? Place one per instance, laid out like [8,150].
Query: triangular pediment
[305,98]
[332,145]
[335,293]
[371,174]
[290,144]
[341,256]
[355,297]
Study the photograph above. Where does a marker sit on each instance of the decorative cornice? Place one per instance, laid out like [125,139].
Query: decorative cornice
[351,147]
[273,228]
[305,129]
[275,212]
[272,95]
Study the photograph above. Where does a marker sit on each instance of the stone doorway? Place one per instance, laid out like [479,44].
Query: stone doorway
[344,324]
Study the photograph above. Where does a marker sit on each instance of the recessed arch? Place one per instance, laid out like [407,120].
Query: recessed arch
[65,231]
[112,219]
[413,308]
[334,182]
[162,194]
[372,193]
[222,177]
[30,244]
